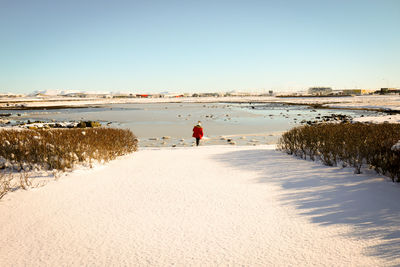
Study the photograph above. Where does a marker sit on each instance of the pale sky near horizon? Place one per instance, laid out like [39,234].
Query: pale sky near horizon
[203,46]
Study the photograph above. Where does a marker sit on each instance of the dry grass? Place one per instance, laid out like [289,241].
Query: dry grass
[5,184]
[24,181]
[354,145]
[58,150]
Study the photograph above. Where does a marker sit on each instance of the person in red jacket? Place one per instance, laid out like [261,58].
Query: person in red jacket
[198,132]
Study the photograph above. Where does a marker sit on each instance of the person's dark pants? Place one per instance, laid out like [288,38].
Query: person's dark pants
[197,141]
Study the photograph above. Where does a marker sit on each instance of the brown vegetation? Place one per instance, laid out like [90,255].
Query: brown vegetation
[354,145]
[58,149]
[5,186]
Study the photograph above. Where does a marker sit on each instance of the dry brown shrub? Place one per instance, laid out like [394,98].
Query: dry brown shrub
[57,150]
[24,181]
[62,149]
[351,144]
[5,184]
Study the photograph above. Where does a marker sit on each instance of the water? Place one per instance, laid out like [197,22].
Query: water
[242,123]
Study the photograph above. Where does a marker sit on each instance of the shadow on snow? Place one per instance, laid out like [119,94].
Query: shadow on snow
[330,195]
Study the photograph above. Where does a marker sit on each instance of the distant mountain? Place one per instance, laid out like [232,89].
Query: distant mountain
[56,92]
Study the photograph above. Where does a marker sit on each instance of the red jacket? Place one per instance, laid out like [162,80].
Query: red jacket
[197,132]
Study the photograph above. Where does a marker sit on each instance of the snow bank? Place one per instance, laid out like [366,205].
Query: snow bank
[380,119]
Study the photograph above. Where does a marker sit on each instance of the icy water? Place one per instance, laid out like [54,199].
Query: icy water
[170,124]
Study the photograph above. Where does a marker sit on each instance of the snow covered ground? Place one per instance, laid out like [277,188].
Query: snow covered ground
[211,205]
[380,119]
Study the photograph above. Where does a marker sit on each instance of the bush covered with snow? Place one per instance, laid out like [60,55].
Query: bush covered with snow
[22,151]
[355,145]
[61,149]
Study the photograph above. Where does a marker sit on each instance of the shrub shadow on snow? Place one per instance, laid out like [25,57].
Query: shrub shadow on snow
[330,195]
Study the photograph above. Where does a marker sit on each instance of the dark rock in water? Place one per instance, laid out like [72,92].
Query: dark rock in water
[82,124]
[93,124]
[391,111]
[5,114]
[90,124]
[328,118]
[229,140]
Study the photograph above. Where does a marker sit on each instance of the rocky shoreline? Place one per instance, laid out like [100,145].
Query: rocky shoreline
[40,125]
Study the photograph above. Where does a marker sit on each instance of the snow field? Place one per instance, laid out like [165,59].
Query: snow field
[217,205]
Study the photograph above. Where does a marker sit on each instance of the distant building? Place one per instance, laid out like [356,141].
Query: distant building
[11,95]
[387,91]
[354,92]
[320,90]
[210,94]
[236,93]
[170,95]
[82,95]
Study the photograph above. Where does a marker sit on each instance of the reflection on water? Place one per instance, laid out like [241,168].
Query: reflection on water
[242,123]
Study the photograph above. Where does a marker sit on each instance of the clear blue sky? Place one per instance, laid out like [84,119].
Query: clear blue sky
[187,46]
